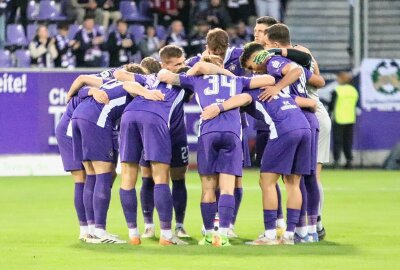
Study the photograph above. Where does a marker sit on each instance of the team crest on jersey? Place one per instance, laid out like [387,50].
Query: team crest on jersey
[111,154]
[386,77]
[232,67]
[276,64]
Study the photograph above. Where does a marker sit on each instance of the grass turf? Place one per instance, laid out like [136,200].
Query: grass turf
[39,229]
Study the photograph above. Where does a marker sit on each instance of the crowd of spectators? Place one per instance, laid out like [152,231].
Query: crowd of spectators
[106,38]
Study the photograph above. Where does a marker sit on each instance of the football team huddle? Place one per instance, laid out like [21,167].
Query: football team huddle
[135,112]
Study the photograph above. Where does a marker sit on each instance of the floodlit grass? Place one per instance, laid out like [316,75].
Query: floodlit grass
[39,229]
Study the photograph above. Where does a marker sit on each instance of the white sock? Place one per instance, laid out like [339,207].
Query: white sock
[301,231]
[166,234]
[223,231]
[91,229]
[99,232]
[271,234]
[321,198]
[232,226]
[209,231]
[288,234]
[179,225]
[280,223]
[133,232]
[148,225]
[83,230]
[312,229]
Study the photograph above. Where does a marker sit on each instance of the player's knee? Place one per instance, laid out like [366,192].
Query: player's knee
[178,173]
[146,171]
[78,176]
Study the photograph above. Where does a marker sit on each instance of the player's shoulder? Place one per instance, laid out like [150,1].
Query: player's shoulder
[193,60]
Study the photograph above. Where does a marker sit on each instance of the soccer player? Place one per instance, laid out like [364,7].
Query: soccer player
[287,153]
[293,79]
[218,45]
[262,23]
[322,115]
[172,58]
[64,141]
[219,158]
[146,126]
[94,145]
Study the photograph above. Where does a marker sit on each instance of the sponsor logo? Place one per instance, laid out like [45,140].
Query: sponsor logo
[276,64]
[10,84]
[57,101]
[386,77]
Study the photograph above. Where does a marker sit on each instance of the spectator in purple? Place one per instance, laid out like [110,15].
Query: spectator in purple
[64,47]
[121,45]
[110,9]
[217,15]
[177,36]
[42,48]
[242,34]
[150,44]
[89,42]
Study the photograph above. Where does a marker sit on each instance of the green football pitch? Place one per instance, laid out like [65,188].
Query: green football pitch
[39,229]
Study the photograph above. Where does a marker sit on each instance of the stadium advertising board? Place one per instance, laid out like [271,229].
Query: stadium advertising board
[32,104]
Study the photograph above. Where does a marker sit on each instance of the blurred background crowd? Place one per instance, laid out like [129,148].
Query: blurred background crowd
[109,33]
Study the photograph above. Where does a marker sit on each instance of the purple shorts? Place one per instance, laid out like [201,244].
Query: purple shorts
[261,141]
[91,142]
[288,154]
[180,150]
[147,132]
[219,152]
[65,147]
[246,150]
[314,150]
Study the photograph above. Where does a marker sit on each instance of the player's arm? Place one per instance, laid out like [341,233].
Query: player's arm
[306,103]
[300,57]
[204,68]
[291,73]
[316,80]
[168,77]
[135,89]
[234,102]
[81,81]
[99,95]
[123,75]
[261,81]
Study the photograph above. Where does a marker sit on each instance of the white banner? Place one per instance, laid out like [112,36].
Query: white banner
[380,84]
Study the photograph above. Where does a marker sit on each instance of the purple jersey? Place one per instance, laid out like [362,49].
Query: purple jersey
[281,113]
[169,109]
[212,89]
[231,61]
[64,125]
[104,115]
[107,74]
[274,68]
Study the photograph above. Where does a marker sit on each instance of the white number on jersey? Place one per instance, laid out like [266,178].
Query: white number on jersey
[214,82]
[111,84]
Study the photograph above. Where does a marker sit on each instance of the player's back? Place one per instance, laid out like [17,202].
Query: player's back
[281,113]
[104,115]
[214,89]
[173,97]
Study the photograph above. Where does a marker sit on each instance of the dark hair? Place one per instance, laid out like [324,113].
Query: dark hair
[121,21]
[267,20]
[63,26]
[170,51]
[151,64]
[218,41]
[183,69]
[135,68]
[278,33]
[88,16]
[248,50]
